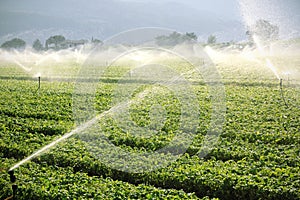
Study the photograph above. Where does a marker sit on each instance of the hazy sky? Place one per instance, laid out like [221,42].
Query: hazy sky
[220,7]
[31,19]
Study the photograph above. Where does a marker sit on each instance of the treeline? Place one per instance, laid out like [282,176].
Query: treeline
[262,31]
[56,42]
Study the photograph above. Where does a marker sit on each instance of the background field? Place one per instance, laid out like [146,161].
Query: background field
[257,155]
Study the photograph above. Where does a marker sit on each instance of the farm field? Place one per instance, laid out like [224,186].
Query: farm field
[257,156]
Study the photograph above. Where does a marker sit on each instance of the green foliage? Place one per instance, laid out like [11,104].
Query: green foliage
[37,45]
[212,39]
[175,38]
[64,183]
[15,43]
[257,156]
[55,40]
[96,41]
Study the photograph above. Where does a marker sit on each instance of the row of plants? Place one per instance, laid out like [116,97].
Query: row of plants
[243,179]
[52,182]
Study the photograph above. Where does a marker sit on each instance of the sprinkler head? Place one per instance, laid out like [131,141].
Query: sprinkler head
[12,176]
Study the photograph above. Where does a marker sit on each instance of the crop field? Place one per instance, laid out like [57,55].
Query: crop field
[257,155]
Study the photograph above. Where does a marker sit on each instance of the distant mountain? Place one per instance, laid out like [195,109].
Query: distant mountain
[33,19]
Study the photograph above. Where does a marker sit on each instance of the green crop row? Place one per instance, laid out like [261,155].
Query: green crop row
[52,182]
[243,179]
[21,99]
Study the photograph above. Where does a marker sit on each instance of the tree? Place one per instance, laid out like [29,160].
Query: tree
[96,41]
[212,39]
[55,40]
[15,43]
[264,31]
[37,45]
[175,38]
[191,36]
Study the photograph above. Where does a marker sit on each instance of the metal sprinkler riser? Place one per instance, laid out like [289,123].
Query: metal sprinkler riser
[13,179]
[39,82]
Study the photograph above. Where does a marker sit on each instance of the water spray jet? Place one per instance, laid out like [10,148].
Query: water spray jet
[83,126]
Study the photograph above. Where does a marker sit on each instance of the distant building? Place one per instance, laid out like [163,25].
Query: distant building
[72,44]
